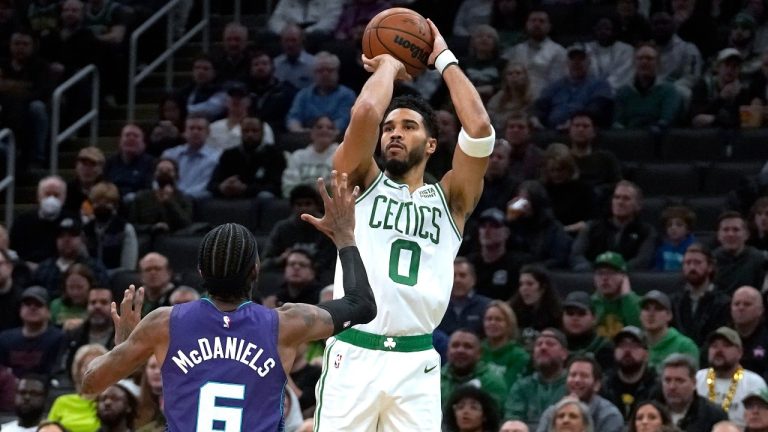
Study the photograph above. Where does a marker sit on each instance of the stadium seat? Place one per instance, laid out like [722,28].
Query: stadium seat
[628,145]
[650,212]
[217,211]
[644,281]
[543,138]
[751,144]
[272,211]
[120,281]
[693,144]
[707,238]
[723,177]
[707,211]
[668,179]
[181,251]
[566,281]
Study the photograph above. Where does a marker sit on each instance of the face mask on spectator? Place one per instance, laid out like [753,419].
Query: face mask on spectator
[50,207]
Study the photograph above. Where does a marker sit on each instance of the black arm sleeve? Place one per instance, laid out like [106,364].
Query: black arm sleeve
[358,306]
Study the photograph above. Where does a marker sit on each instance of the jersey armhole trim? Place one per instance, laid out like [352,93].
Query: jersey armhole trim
[448,210]
[370,188]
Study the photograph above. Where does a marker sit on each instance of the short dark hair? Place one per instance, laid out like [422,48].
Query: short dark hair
[419,105]
[679,212]
[698,247]
[305,191]
[583,113]
[491,417]
[681,360]
[730,214]
[597,371]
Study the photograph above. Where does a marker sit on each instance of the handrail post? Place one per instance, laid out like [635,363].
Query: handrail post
[55,125]
[237,11]
[207,28]
[169,30]
[10,176]
[95,86]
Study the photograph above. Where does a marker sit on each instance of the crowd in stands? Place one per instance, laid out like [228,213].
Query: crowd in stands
[591,293]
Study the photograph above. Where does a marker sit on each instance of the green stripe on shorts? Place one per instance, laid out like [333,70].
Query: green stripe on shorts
[321,385]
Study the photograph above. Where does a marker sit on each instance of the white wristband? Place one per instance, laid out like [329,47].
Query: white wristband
[477,147]
[445,59]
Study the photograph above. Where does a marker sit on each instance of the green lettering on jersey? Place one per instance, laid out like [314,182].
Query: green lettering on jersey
[371,222]
[406,218]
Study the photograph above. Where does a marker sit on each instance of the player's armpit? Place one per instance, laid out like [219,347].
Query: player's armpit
[149,336]
[300,322]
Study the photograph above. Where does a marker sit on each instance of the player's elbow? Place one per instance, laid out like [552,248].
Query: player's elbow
[369,312]
[479,127]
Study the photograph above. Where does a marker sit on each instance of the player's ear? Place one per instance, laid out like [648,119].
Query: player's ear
[431,145]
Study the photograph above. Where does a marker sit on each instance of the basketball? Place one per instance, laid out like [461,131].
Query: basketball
[402,33]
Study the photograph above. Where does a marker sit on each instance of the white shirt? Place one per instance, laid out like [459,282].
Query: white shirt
[750,383]
[14,427]
[546,62]
[221,137]
[613,63]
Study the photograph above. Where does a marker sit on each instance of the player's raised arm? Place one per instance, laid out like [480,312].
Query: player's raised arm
[464,183]
[303,322]
[355,154]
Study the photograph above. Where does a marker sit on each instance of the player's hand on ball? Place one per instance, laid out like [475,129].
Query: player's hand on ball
[439,45]
[338,222]
[130,313]
[372,65]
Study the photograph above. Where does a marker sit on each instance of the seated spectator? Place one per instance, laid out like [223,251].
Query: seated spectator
[695,25]
[108,20]
[758,225]
[72,410]
[616,305]
[88,171]
[156,278]
[742,35]
[737,263]
[756,406]
[33,347]
[183,294]
[501,349]
[465,308]
[569,415]
[689,411]
[196,160]
[226,133]
[271,96]
[663,340]
[633,27]
[599,168]
[579,327]
[29,403]
[758,82]
[571,197]
[514,94]
[234,61]
[469,408]
[164,208]
[610,59]
[355,15]
[545,59]
[97,328]
[441,160]
[650,415]
[526,157]
[130,169]
[317,18]
[70,249]
[204,95]
[324,97]
[33,234]
[508,18]
[10,293]
[149,416]
[42,16]
[251,169]
[299,282]
[647,102]
[496,267]
[535,234]
[304,166]
[109,237]
[72,46]
[294,65]
[498,184]
[747,316]
[577,91]
[716,101]
[631,381]
[680,62]
[465,368]
[536,304]
[621,232]
[514,426]
[69,310]
[116,407]
[167,132]
[678,222]
[469,16]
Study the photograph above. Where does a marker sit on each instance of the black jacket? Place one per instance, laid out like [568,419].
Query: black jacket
[713,311]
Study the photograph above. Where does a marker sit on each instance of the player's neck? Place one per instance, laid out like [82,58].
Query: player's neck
[226,305]
[414,178]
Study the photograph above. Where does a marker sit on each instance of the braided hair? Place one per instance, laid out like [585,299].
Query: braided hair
[226,261]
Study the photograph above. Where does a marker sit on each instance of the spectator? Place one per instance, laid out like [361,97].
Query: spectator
[514,426]
[747,315]
[632,381]
[470,15]
[10,293]
[196,160]
[536,304]
[622,232]
[42,16]
[69,310]
[599,168]
[737,263]
[441,160]
[10,20]
[500,348]
[742,35]
[514,94]
[116,408]
[495,266]
[108,21]
[294,65]
[88,171]
[544,58]
[465,308]
[571,197]
[164,208]
[166,133]
[252,168]
[324,97]
[130,169]
[300,284]
[72,410]
[758,82]
[317,18]
[70,250]
[226,133]
[508,18]
[498,184]
[471,409]
[758,225]
[96,329]
[695,24]
[679,61]
[656,315]
[530,396]
[577,91]
[148,413]
[482,64]
[726,382]
[571,415]
[647,102]
[304,166]
[204,95]
[271,97]
[34,346]
[756,415]
[304,377]
[579,328]
[616,305]
[234,60]
[678,222]
[633,27]
[109,237]
[716,101]
[611,59]
[699,307]
[690,412]
[29,403]
[354,17]
[583,382]
[156,276]
[651,416]
[184,294]
[526,157]
[465,368]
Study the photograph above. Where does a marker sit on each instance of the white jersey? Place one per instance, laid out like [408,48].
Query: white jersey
[408,243]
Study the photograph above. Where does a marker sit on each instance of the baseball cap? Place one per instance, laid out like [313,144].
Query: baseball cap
[92,154]
[555,334]
[579,300]
[576,48]
[631,332]
[658,297]
[35,292]
[761,394]
[728,53]
[69,225]
[492,214]
[237,90]
[744,20]
[726,333]
[611,259]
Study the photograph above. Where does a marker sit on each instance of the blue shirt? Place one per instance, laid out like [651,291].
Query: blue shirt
[296,71]
[309,105]
[564,97]
[195,168]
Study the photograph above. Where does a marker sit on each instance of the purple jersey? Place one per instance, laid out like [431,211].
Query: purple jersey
[223,370]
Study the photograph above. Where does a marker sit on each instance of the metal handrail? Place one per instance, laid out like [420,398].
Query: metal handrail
[8,183]
[135,79]
[91,116]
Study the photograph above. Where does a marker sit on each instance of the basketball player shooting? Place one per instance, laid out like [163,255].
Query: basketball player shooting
[385,375]
[224,359]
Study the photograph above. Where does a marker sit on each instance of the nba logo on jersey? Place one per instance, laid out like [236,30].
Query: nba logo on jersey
[337,363]
[226,321]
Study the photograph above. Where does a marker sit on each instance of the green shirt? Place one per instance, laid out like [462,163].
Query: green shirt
[672,342]
[614,315]
[529,397]
[60,312]
[75,413]
[487,378]
[510,360]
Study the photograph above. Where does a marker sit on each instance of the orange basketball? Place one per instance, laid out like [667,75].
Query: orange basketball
[402,33]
